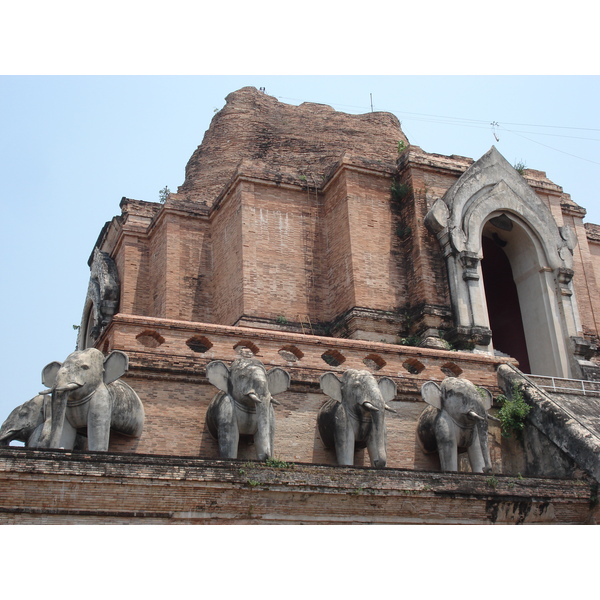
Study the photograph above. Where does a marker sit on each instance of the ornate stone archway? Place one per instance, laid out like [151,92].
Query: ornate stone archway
[540,253]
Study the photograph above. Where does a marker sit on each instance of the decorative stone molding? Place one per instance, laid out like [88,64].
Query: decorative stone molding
[102,299]
[470,262]
[465,337]
[564,278]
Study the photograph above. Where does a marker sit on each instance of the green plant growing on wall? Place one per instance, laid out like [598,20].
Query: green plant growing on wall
[281,320]
[447,345]
[403,231]
[492,481]
[163,194]
[402,146]
[411,340]
[513,413]
[278,464]
[520,167]
[400,191]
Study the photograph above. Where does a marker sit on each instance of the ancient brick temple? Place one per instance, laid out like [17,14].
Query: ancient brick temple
[318,241]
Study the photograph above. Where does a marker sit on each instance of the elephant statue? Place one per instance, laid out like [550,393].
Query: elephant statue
[456,421]
[355,415]
[87,397]
[24,424]
[244,405]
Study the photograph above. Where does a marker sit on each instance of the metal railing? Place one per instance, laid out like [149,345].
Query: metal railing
[566,386]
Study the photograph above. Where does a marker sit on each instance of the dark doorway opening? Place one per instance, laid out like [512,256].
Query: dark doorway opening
[504,310]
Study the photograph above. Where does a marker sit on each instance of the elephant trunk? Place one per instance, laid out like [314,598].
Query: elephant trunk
[54,419]
[376,441]
[482,427]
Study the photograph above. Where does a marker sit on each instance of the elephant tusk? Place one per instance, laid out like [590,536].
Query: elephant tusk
[68,388]
[494,419]
[369,406]
[474,415]
[273,401]
[65,388]
[390,409]
[254,398]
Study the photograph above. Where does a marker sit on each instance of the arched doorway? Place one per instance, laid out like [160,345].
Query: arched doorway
[491,200]
[520,296]
[504,310]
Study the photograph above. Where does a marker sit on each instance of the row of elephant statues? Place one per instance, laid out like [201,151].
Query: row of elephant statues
[85,397]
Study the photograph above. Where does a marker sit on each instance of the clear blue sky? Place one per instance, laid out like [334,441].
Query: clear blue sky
[71,147]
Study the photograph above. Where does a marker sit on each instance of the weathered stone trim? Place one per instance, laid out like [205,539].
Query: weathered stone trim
[60,486]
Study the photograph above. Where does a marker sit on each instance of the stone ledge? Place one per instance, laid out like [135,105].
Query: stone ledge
[50,486]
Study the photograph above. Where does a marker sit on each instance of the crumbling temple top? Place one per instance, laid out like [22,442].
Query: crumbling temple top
[289,143]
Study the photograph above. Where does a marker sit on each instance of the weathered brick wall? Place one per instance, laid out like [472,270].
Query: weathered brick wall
[376,268]
[158,252]
[60,487]
[227,261]
[337,254]
[278,239]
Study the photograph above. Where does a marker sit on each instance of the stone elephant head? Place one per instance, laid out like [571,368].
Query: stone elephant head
[355,415]
[244,405]
[24,423]
[456,421]
[87,397]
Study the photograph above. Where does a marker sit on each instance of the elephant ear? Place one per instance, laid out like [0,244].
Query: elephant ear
[388,388]
[217,373]
[432,394]
[332,386]
[279,380]
[49,374]
[115,365]
[487,398]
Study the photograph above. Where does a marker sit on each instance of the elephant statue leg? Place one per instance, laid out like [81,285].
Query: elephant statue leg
[222,424]
[448,456]
[478,463]
[68,437]
[99,420]
[446,444]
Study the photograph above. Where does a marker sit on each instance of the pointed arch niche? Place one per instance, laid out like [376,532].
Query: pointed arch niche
[500,240]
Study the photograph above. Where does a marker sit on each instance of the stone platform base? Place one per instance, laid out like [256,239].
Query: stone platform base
[63,487]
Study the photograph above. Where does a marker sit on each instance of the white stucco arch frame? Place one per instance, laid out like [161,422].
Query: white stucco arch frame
[540,255]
